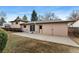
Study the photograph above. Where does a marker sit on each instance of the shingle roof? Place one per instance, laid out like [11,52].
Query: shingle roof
[49,21]
[18,21]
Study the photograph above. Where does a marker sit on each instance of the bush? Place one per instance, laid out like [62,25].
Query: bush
[3,39]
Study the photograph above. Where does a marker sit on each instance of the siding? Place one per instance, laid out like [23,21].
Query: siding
[57,29]
[60,29]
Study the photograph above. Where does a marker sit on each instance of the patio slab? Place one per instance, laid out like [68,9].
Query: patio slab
[56,39]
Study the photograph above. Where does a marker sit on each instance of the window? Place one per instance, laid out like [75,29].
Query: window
[16,22]
[24,26]
[40,27]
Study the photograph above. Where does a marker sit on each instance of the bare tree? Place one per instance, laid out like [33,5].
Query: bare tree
[51,16]
[47,16]
[74,15]
[40,18]
[2,14]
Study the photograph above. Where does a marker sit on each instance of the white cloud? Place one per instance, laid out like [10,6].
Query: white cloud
[24,13]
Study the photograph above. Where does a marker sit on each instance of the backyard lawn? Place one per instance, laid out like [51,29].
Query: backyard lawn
[19,44]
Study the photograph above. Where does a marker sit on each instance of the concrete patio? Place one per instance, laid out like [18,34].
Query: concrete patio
[55,39]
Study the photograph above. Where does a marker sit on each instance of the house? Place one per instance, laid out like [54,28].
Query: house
[76,24]
[16,23]
[6,25]
[56,28]
[74,28]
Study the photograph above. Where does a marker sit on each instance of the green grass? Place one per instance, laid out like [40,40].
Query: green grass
[18,44]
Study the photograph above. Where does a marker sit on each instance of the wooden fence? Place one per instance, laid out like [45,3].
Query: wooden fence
[13,29]
[73,31]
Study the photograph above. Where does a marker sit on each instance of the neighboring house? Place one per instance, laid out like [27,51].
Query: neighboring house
[57,28]
[16,23]
[6,25]
[76,24]
[74,28]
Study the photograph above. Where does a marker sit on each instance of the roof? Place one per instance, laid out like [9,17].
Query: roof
[49,21]
[76,24]
[19,21]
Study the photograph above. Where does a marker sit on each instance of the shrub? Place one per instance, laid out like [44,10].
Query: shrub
[3,39]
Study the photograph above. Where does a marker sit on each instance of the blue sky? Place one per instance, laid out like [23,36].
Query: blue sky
[13,11]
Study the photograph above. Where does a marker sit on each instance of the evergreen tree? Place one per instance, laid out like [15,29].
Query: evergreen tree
[2,17]
[17,18]
[34,16]
[24,18]
[2,20]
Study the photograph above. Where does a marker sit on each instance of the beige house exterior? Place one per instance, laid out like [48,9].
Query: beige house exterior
[54,28]
[16,23]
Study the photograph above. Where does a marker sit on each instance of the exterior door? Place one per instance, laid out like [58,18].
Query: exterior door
[32,27]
